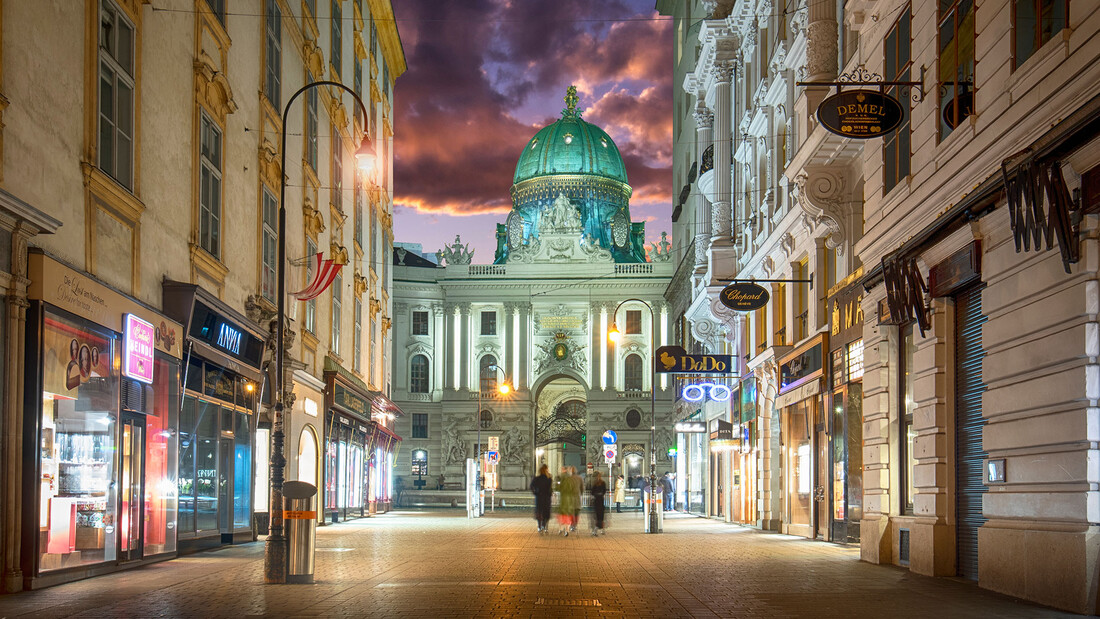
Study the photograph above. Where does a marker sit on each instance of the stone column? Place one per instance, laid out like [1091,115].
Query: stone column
[447,350]
[464,353]
[609,346]
[524,345]
[704,138]
[509,339]
[594,348]
[439,349]
[721,222]
[769,464]
[821,41]
[12,480]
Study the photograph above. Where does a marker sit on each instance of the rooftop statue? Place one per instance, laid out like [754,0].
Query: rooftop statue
[455,253]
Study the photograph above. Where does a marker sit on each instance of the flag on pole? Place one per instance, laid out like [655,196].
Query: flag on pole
[323,275]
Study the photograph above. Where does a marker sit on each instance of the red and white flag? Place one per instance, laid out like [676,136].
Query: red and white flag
[323,274]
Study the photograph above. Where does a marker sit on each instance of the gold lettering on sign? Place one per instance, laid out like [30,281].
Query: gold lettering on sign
[836,319]
[556,323]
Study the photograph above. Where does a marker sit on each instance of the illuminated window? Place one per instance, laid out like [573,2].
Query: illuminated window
[632,373]
[337,301]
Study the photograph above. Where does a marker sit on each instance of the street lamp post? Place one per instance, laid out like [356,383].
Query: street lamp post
[613,335]
[275,549]
[504,389]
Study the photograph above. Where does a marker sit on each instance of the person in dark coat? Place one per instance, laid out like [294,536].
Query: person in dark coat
[666,487]
[542,486]
[598,489]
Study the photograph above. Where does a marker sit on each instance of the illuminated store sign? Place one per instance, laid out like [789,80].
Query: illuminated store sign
[694,427]
[138,360]
[696,392]
[229,339]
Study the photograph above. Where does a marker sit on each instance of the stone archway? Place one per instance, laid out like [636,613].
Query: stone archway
[561,423]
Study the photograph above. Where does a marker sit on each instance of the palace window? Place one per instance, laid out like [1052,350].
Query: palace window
[210,191]
[895,145]
[420,323]
[632,373]
[337,301]
[357,335]
[217,7]
[633,322]
[488,373]
[273,60]
[311,305]
[116,95]
[420,425]
[488,322]
[956,63]
[270,212]
[337,38]
[418,374]
[1034,22]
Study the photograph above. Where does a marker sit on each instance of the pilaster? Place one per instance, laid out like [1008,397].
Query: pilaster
[464,352]
[721,222]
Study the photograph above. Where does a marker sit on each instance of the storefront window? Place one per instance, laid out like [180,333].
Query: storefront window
[77,515]
[908,351]
[161,455]
[242,472]
[796,438]
[307,458]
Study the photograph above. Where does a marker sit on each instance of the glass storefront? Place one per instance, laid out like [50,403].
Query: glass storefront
[798,480]
[215,470]
[78,450]
[345,475]
[162,458]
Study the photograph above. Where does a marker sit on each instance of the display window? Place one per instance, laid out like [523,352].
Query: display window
[161,458]
[215,452]
[78,448]
[799,466]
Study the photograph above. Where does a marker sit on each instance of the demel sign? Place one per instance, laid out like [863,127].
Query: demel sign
[860,114]
[744,296]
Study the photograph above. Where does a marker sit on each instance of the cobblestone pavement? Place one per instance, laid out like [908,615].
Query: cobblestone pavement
[439,564]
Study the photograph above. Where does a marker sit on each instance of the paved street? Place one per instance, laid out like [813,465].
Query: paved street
[438,564]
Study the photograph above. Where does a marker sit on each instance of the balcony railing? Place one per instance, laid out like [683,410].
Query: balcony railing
[488,269]
[633,269]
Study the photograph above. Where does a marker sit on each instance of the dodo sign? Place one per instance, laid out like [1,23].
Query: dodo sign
[744,296]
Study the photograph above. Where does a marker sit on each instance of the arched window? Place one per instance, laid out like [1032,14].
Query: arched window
[632,371]
[418,374]
[488,373]
[486,420]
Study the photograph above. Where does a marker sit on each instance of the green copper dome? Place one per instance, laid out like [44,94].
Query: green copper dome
[570,146]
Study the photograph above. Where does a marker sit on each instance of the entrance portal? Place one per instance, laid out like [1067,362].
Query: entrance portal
[561,425]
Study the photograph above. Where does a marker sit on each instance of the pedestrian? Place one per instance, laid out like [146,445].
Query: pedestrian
[578,489]
[543,488]
[666,488]
[643,488]
[441,479]
[620,494]
[567,501]
[598,489]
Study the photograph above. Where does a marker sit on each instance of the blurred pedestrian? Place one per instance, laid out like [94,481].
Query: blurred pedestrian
[543,488]
[568,501]
[666,488]
[643,487]
[598,489]
[578,490]
[620,494]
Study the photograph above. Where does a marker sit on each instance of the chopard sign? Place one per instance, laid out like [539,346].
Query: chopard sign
[744,296]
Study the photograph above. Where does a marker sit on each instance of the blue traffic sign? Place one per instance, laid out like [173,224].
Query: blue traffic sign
[610,438]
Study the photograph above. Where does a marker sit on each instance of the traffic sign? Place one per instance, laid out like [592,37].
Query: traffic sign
[492,457]
[610,438]
[609,453]
[494,443]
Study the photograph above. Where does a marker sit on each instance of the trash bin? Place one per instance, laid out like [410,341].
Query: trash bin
[300,514]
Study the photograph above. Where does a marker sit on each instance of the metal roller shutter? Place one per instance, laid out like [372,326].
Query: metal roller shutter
[968,428]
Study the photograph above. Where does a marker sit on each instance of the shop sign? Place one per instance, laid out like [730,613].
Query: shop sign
[846,315]
[744,296]
[860,114]
[675,360]
[346,399]
[79,294]
[958,270]
[210,327]
[697,391]
[690,427]
[797,395]
[721,430]
[137,362]
[800,367]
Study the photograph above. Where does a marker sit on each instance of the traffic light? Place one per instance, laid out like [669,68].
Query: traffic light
[584,440]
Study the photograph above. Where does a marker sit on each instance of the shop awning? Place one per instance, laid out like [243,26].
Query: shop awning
[383,404]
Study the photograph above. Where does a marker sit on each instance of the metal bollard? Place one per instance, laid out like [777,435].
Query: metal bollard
[300,514]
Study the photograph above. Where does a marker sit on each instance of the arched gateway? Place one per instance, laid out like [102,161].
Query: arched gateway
[537,316]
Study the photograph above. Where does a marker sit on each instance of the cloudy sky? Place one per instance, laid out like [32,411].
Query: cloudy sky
[485,75]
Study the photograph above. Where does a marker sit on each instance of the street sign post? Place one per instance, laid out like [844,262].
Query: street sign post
[609,453]
[610,438]
[494,443]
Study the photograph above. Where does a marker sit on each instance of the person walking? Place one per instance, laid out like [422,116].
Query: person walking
[620,494]
[543,488]
[568,502]
[666,488]
[643,488]
[598,489]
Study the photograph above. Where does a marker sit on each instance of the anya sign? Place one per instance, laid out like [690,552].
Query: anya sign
[860,114]
[744,296]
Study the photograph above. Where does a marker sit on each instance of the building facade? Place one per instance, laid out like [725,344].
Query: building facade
[142,227]
[923,363]
[570,266]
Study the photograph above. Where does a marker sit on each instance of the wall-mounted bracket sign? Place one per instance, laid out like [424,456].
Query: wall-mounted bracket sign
[744,296]
[864,113]
[860,114]
[693,427]
[675,360]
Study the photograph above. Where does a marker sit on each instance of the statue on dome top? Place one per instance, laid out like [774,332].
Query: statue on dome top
[571,99]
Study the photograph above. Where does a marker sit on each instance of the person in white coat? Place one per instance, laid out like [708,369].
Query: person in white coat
[620,493]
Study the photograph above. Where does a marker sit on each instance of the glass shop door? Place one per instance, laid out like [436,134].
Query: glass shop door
[132,489]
